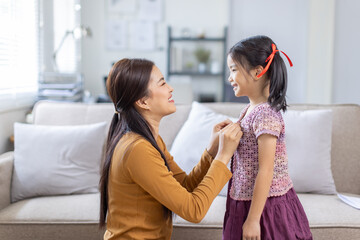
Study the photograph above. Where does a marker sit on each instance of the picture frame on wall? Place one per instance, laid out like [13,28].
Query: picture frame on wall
[121,6]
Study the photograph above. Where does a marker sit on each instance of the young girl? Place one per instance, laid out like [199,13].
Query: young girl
[261,201]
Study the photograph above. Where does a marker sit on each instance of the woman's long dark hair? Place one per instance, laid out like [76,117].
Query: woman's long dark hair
[253,52]
[127,82]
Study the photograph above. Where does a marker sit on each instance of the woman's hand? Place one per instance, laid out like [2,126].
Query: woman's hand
[229,138]
[214,139]
[251,230]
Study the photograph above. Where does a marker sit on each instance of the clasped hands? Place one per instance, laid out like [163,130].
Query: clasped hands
[224,140]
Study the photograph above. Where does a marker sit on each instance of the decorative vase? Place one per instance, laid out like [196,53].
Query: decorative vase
[215,67]
[202,67]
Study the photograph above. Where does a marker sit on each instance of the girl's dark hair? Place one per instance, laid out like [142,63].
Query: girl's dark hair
[254,51]
[127,82]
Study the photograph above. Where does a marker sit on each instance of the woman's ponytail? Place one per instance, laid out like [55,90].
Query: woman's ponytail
[114,132]
[141,127]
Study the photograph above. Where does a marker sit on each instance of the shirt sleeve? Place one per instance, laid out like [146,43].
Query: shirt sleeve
[267,121]
[190,181]
[147,168]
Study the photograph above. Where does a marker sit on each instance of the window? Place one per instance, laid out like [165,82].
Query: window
[19,52]
[66,43]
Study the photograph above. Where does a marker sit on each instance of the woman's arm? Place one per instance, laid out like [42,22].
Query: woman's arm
[266,148]
[191,181]
[147,169]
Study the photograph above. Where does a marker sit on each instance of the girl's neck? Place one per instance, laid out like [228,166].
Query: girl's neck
[256,101]
[253,104]
[260,97]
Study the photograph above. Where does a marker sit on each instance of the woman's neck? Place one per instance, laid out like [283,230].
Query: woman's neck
[153,124]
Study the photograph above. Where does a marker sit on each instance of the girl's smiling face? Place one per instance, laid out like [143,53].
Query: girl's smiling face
[238,78]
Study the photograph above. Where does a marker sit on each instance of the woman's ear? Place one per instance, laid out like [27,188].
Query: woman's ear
[142,104]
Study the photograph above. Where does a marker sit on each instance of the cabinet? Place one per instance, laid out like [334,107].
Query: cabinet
[200,59]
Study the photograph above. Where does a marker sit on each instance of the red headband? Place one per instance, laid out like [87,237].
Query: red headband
[270,59]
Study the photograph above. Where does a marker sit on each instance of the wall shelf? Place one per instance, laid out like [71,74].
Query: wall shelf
[181,49]
[183,39]
[207,74]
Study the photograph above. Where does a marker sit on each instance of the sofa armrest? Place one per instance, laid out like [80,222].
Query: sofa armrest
[6,170]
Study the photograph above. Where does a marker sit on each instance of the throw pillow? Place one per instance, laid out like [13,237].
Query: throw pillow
[194,136]
[53,160]
[308,143]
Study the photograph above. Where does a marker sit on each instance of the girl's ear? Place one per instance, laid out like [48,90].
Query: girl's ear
[256,71]
[142,104]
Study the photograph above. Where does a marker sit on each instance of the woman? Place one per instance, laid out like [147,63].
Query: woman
[141,185]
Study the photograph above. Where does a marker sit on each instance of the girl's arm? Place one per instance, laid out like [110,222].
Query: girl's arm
[266,148]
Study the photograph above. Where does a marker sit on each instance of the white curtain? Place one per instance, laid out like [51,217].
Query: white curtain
[19,51]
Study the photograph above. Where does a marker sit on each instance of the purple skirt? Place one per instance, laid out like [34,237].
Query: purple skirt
[283,217]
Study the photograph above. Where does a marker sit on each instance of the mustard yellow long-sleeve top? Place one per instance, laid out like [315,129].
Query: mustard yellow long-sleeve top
[140,185]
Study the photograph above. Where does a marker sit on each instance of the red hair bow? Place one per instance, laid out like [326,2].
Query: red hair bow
[270,59]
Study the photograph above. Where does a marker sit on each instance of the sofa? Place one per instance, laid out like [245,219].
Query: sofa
[75,216]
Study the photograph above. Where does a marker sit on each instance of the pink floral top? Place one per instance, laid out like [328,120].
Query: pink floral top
[245,166]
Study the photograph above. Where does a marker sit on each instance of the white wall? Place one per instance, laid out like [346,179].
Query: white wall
[208,15]
[96,59]
[286,23]
[319,36]
[320,51]
[346,84]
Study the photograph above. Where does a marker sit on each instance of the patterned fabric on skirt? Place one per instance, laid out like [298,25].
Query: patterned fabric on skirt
[283,218]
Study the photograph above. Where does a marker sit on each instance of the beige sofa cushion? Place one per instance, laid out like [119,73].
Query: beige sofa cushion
[80,208]
[329,211]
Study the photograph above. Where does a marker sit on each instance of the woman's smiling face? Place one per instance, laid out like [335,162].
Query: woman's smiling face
[160,98]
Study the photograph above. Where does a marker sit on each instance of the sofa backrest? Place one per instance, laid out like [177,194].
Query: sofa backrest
[62,113]
[345,152]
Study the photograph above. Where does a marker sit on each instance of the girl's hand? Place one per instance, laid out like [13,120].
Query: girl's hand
[214,139]
[251,230]
[229,138]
